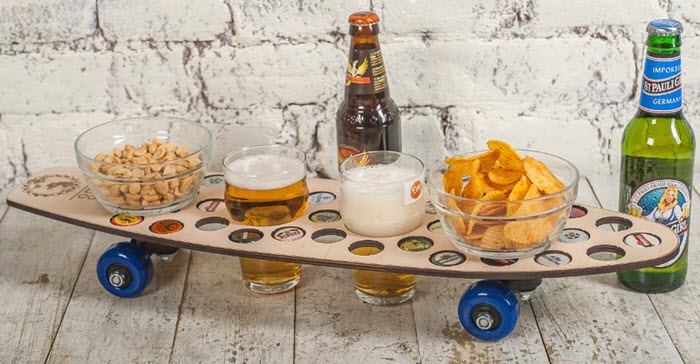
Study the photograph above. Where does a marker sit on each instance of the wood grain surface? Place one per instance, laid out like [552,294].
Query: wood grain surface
[40,260]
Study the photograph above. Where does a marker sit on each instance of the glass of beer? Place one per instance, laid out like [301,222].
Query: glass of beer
[265,186]
[381,195]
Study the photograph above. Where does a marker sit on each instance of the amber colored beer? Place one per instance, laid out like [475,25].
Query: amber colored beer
[266,186]
[267,207]
[380,285]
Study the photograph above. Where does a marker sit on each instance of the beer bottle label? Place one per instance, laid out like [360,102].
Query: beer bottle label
[665,201]
[365,74]
[346,151]
[661,86]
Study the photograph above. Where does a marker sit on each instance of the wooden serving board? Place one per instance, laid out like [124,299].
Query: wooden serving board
[63,194]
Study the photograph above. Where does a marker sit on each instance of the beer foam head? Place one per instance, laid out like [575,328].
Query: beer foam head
[264,172]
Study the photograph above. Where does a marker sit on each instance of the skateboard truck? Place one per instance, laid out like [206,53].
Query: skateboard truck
[523,287]
[163,252]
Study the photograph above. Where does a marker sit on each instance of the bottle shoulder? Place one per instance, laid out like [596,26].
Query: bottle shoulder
[659,135]
[382,114]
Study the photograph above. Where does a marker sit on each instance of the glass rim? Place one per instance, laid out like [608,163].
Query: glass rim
[375,152]
[81,155]
[440,189]
[301,162]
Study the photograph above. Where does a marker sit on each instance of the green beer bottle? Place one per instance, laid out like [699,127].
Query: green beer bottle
[658,149]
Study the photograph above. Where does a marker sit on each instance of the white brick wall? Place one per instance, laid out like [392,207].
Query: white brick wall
[553,75]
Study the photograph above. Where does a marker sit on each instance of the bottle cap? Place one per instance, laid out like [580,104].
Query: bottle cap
[665,27]
[364,18]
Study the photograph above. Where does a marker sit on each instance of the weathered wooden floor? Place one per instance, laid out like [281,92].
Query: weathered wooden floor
[53,309]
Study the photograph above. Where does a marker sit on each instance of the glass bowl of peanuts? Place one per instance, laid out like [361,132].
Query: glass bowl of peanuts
[144,166]
[502,203]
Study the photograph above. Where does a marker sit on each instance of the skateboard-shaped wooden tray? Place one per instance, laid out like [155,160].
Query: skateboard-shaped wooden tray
[63,194]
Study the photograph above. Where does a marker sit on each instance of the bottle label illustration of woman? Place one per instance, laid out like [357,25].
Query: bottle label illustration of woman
[667,202]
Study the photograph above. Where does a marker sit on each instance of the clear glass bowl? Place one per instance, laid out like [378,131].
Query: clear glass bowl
[158,181]
[505,229]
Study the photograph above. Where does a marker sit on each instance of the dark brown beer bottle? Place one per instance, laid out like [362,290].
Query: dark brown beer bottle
[368,119]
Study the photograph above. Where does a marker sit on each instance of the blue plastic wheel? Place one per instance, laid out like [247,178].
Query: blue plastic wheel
[489,310]
[125,269]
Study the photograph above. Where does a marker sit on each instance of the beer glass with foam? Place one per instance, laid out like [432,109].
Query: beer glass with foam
[266,186]
[381,196]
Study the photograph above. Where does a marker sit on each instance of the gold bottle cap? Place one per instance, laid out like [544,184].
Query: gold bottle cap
[364,18]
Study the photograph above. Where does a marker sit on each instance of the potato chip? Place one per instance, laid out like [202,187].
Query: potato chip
[452,181]
[494,196]
[540,175]
[503,188]
[457,222]
[533,192]
[487,159]
[476,229]
[493,210]
[529,208]
[508,158]
[520,189]
[493,238]
[476,187]
[528,233]
[502,177]
[518,193]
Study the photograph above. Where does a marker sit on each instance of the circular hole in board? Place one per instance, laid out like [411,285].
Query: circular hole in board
[212,205]
[288,233]
[613,223]
[553,258]
[325,216]
[415,243]
[213,180]
[572,235]
[642,240]
[329,236]
[321,198]
[366,247]
[166,226]
[577,211]
[498,262]
[447,258]
[245,236]
[212,223]
[435,227]
[123,220]
[605,252]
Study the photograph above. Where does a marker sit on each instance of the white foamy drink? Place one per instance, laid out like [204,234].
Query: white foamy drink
[263,172]
[381,200]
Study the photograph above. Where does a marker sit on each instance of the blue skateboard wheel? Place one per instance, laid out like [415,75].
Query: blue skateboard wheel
[125,269]
[489,310]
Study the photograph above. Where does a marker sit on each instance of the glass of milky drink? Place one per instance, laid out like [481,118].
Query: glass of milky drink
[381,195]
[266,186]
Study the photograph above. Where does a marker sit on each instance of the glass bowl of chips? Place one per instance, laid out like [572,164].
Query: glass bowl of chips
[502,203]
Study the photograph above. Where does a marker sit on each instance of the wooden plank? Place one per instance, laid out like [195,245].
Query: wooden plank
[300,247]
[99,327]
[334,326]
[40,260]
[595,319]
[679,310]
[222,321]
[443,340]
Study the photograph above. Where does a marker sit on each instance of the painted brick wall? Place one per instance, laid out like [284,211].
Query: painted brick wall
[559,76]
